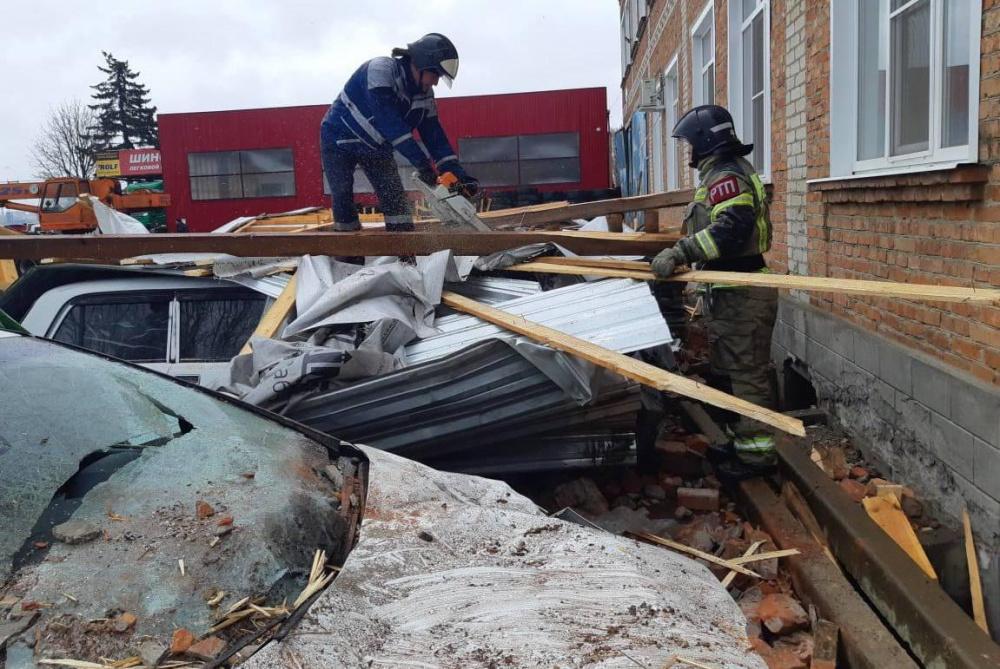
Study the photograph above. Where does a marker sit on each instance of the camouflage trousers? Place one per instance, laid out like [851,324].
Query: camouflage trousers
[740,322]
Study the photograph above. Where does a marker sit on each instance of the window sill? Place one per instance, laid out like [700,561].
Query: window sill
[951,183]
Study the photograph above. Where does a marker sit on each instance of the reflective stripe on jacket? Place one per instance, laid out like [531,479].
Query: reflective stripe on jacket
[729,215]
[379,109]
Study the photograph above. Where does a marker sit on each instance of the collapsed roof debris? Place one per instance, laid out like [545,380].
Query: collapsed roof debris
[471,574]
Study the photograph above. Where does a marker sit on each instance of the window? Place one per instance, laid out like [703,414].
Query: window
[213,328]
[59,196]
[128,327]
[548,159]
[525,160]
[671,100]
[749,86]
[633,21]
[703,59]
[910,72]
[626,41]
[492,159]
[656,139]
[223,175]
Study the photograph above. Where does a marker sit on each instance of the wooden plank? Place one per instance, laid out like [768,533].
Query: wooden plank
[975,581]
[866,642]
[198,271]
[599,208]
[8,273]
[825,636]
[886,513]
[820,284]
[707,557]
[769,555]
[731,576]
[886,489]
[644,373]
[363,243]
[706,425]
[271,321]
[800,509]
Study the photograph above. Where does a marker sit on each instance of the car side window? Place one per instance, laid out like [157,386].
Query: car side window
[214,328]
[133,328]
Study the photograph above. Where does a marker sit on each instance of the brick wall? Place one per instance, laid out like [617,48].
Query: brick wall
[917,383]
[796,238]
[911,229]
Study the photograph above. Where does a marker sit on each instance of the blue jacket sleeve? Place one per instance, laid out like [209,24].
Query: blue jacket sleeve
[436,141]
[388,121]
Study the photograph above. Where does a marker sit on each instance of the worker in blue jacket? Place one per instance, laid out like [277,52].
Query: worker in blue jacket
[375,115]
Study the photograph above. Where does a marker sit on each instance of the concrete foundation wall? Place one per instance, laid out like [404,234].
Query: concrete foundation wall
[928,425]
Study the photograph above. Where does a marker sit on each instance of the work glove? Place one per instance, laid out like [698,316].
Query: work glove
[428,176]
[667,261]
[467,184]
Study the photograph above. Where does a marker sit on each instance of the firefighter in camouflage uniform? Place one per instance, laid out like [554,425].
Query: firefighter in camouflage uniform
[727,228]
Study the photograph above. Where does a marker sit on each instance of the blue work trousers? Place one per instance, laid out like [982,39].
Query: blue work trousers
[339,163]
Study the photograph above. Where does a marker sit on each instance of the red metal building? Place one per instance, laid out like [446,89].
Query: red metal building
[221,165]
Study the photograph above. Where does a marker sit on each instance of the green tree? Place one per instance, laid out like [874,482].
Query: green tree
[125,118]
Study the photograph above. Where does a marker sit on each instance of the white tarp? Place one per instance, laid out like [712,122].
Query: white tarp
[335,293]
[456,571]
[112,222]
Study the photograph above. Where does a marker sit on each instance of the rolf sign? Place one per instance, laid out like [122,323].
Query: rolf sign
[129,163]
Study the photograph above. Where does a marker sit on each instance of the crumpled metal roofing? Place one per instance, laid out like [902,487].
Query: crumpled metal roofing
[494,290]
[483,396]
[619,314]
[267,285]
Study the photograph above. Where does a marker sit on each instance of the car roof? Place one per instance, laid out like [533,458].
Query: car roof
[19,298]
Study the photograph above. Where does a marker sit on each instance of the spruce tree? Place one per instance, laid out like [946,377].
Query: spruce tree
[125,119]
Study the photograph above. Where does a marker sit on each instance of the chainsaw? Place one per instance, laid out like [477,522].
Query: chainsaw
[448,203]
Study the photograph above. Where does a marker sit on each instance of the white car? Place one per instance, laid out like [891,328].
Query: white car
[176,324]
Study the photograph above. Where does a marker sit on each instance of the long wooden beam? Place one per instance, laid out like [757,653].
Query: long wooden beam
[272,319]
[643,373]
[361,243]
[592,209]
[820,284]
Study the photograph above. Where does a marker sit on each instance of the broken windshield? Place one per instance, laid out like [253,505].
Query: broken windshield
[113,478]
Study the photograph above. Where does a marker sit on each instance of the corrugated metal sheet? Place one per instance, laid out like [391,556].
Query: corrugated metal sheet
[494,289]
[267,285]
[481,397]
[545,453]
[620,314]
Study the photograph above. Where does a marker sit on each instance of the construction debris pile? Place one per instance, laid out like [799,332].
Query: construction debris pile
[369,353]
[681,506]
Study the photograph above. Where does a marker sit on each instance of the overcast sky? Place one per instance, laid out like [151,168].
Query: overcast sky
[224,54]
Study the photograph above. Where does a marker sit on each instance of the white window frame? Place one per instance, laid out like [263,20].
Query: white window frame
[844,77]
[704,28]
[626,38]
[671,111]
[657,143]
[735,86]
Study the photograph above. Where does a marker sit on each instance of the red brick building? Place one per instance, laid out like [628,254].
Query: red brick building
[877,123]
[221,165]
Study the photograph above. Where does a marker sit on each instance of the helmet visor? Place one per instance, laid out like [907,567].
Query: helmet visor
[448,69]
